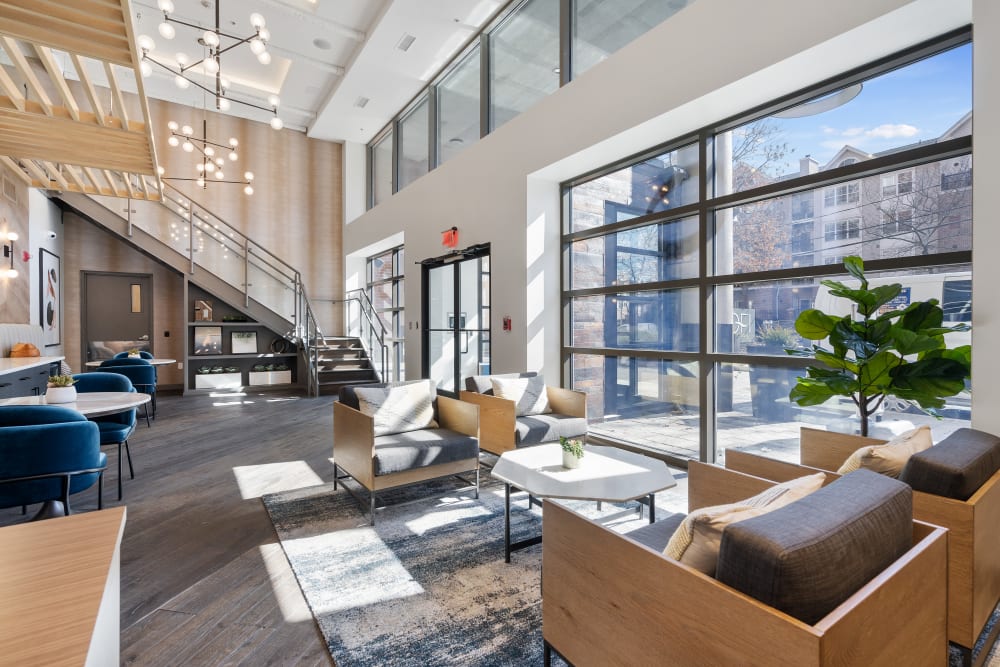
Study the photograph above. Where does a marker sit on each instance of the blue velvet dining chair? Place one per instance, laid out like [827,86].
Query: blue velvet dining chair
[150,387]
[143,379]
[142,355]
[47,454]
[116,428]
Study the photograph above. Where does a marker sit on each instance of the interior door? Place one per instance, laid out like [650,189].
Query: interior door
[456,308]
[117,314]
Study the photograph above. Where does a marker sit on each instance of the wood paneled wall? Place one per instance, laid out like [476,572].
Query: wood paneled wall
[87,247]
[15,295]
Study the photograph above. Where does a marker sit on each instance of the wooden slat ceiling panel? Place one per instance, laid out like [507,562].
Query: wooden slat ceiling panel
[88,27]
[43,140]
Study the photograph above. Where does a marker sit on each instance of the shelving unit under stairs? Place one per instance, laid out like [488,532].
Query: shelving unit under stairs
[228,350]
[343,361]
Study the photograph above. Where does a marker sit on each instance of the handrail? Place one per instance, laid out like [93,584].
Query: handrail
[367,309]
[227,240]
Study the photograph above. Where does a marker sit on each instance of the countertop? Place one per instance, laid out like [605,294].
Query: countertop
[11,364]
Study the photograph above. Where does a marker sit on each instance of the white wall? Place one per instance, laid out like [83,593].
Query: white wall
[985,204]
[711,60]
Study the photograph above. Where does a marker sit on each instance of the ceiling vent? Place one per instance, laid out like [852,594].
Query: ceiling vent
[405,42]
[361,102]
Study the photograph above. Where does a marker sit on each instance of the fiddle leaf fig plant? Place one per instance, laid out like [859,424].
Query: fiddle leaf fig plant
[876,352]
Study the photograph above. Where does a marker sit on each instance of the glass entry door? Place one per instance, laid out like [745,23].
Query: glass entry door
[456,308]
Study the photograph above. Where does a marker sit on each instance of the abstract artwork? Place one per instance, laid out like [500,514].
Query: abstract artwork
[50,297]
[244,342]
[208,340]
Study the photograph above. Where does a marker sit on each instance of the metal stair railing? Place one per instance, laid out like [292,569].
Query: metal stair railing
[208,243]
[362,322]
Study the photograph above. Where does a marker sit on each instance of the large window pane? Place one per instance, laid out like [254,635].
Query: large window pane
[649,403]
[413,144]
[664,251]
[524,62]
[914,211]
[926,101]
[656,184]
[656,320]
[601,27]
[761,419]
[382,169]
[458,108]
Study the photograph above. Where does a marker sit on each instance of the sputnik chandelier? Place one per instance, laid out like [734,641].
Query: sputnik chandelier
[211,64]
[210,166]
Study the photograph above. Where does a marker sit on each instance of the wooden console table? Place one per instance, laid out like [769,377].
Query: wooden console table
[59,593]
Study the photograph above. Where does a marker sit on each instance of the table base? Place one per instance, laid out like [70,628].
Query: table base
[509,547]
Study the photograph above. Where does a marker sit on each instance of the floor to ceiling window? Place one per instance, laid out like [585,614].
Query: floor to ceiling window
[385,291]
[688,266]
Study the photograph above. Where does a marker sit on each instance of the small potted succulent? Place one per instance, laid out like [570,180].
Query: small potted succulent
[134,353]
[60,389]
[572,451]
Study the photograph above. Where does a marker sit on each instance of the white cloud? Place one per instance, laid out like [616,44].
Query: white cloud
[852,132]
[890,131]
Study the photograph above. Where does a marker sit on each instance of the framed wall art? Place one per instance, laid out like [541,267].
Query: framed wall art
[244,342]
[50,297]
[208,340]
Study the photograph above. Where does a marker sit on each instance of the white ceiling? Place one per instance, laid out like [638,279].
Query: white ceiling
[326,54]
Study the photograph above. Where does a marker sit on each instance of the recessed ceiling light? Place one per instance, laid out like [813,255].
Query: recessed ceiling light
[321,44]
[456,141]
[556,70]
[405,42]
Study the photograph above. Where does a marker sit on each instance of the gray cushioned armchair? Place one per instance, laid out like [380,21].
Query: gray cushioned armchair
[501,430]
[956,484]
[379,462]
[844,576]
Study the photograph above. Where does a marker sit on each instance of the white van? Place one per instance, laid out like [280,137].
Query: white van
[952,290]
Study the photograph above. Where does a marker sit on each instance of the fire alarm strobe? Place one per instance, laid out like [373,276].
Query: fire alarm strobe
[449,238]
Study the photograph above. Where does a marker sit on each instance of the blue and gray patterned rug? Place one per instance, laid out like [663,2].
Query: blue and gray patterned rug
[428,584]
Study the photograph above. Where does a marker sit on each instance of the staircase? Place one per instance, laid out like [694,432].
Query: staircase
[219,259]
[343,360]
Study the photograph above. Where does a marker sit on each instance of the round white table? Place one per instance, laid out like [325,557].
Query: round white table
[90,404]
[154,362]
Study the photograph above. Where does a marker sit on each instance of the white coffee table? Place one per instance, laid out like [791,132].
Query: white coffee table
[605,473]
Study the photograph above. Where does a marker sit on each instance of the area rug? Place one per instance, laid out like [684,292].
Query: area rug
[428,584]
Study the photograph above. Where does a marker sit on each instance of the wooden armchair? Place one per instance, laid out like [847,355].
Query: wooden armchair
[501,430]
[609,600]
[973,525]
[398,459]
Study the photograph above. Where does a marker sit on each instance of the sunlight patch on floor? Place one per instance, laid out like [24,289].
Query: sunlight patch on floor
[286,589]
[443,516]
[350,555]
[257,480]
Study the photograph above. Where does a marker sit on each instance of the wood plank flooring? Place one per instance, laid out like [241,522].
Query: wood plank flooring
[203,578]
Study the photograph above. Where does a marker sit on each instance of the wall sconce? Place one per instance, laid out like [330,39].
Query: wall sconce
[8,251]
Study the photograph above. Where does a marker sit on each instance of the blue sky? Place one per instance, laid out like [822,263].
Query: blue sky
[915,103]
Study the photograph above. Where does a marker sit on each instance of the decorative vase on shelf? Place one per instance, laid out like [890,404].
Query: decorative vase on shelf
[60,394]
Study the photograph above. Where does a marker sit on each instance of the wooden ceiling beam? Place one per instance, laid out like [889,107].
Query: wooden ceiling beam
[111,181]
[10,88]
[118,108]
[16,168]
[24,69]
[89,27]
[58,80]
[75,176]
[56,175]
[88,88]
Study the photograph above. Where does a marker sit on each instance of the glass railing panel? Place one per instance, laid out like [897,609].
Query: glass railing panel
[273,292]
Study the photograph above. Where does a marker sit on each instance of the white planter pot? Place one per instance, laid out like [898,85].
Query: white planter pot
[570,461]
[259,378]
[60,395]
[218,381]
